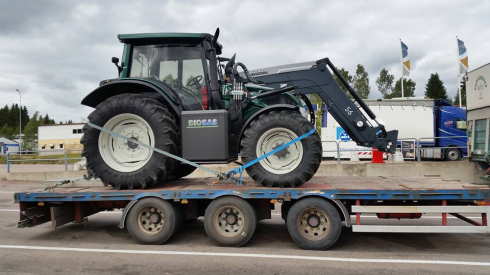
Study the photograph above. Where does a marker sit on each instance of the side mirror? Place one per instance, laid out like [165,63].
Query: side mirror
[115,60]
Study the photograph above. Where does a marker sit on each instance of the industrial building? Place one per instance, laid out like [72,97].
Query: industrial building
[8,146]
[59,137]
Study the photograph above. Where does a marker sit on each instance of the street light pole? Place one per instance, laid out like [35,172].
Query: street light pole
[20,123]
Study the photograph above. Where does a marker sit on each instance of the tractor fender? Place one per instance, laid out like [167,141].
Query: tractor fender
[263,111]
[133,86]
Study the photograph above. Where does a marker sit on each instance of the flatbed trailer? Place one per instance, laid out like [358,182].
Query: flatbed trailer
[314,213]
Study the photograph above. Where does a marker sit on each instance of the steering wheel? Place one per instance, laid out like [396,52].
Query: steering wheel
[196,81]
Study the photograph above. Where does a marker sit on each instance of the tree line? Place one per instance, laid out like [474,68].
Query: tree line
[389,88]
[9,121]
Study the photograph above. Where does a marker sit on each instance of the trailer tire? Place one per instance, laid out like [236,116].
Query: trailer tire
[452,154]
[230,221]
[153,221]
[111,158]
[290,167]
[181,170]
[314,224]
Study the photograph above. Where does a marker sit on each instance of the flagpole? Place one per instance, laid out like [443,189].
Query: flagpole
[459,75]
[402,65]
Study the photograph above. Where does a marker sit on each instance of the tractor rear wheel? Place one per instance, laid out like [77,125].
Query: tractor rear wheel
[290,167]
[181,170]
[122,163]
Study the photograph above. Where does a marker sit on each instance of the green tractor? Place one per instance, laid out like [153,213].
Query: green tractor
[176,94]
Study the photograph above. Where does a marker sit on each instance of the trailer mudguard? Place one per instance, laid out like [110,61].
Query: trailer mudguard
[111,88]
[318,80]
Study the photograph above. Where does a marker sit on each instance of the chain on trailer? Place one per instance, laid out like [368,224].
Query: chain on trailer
[220,175]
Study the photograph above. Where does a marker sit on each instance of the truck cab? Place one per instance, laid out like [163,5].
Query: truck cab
[450,129]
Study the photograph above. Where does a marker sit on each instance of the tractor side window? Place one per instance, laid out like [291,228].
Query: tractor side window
[191,72]
[168,71]
[180,67]
[139,64]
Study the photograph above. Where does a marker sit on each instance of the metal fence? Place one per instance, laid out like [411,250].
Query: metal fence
[22,154]
[418,147]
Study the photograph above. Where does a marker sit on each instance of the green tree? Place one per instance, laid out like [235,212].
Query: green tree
[435,88]
[361,82]
[384,82]
[47,120]
[168,79]
[408,89]
[7,132]
[30,133]
[13,117]
[25,117]
[463,94]
[4,115]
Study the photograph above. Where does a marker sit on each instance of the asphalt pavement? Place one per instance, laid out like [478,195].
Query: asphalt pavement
[101,247]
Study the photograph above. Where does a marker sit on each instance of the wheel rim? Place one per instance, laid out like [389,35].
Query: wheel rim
[229,221]
[151,220]
[313,224]
[285,160]
[453,154]
[123,155]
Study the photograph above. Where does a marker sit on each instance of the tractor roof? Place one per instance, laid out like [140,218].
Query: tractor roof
[170,37]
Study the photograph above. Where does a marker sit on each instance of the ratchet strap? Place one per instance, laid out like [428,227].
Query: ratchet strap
[239,170]
[220,175]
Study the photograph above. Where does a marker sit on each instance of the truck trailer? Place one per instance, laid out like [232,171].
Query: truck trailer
[478,106]
[436,124]
[314,213]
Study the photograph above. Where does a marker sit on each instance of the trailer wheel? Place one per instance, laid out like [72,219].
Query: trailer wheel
[452,154]
[314,224]
[153,221]
[230,221]
[290,167]
[121,163]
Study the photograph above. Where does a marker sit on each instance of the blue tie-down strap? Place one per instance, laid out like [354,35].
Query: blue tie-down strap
[239,170]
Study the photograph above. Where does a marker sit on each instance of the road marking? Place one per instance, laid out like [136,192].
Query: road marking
[246,255]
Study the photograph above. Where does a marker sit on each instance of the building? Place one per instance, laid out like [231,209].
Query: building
[8,146]
[59,137]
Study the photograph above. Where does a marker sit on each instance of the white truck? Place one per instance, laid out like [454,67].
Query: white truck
[478,106]
[433,123]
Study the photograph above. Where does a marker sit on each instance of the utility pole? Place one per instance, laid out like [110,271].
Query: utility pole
[20,122]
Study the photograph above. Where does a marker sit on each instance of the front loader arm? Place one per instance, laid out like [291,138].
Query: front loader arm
[319,80]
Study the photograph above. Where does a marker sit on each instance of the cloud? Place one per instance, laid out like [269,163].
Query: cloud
[56,52]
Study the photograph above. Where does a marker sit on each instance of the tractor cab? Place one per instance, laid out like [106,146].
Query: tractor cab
[178,63]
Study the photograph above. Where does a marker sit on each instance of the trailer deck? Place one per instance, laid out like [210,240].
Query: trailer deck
[388,198]
[349,188]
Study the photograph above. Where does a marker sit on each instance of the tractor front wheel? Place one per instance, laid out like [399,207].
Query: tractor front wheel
[290,167]
[119,162]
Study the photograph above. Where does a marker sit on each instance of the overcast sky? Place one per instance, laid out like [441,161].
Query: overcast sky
[56,52]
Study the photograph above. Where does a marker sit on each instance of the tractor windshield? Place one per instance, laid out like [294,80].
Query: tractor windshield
[180,67]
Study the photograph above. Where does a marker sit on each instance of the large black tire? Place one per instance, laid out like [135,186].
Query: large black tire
[311,149]
[326,221]
[181,170]
[158,166]
[243,221]
[169,221]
